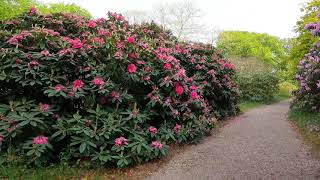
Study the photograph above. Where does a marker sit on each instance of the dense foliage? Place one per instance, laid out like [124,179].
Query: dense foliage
[74,89]
[12,8]
[308,75]
[241,44]
[258,82]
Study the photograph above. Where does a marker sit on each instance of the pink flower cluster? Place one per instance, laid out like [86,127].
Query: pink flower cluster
[157,145]
[77,84]
[40,140]
[132,68]
[177,128]
[44,107]
[153,130]
[121,141]
[98,81]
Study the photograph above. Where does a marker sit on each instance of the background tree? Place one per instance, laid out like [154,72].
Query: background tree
[267,48]
[12,8]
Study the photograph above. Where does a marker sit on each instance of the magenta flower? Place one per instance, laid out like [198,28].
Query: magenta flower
[194,95]
[132,68]
[121,141]
[92,24]
[177,128]
[76,44]
[44,107]
[131,40]
[153,130]
[167,66]
[98,81]
[59,88]
[178,89]
[1,138]
[40,140]
[77,84]
[157,144]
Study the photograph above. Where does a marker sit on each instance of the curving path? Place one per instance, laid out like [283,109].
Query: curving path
[260,144]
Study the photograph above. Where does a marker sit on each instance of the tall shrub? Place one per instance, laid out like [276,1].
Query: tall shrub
[308,76]
[104,90]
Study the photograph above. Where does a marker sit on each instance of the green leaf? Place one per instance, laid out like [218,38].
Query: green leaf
[82,147]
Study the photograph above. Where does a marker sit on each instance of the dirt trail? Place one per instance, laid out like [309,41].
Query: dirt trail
[260,144]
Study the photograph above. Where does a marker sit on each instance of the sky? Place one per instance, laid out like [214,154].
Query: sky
[275,17]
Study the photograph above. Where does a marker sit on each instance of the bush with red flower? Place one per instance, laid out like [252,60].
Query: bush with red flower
[106,91]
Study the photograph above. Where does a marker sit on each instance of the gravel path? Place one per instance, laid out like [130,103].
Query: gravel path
[260,144]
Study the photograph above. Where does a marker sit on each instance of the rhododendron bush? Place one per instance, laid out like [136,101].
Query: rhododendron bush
[105,91]
[308,76]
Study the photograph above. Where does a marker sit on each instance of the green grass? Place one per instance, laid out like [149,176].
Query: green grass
[247,105]
[302,119]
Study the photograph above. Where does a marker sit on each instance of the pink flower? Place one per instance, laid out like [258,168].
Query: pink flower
[33,64]
[19,61]
[59,88]
[44,107]
[40,140]
[193,87]
[92,24]
[153,130]
[178,89]
[121,141]
[45,53]
[167,66]
[132,68]
[177,128]
[115,95]
[77,84]
[98,81]
[76,44]
[131,40]
[194,95]
[156,145]
[104,32]
[1,138]
[97,40]
[33,11]
[141,62]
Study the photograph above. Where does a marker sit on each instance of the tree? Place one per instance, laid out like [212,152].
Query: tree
[182,18]
[305,40]
[12,8]
[267,48]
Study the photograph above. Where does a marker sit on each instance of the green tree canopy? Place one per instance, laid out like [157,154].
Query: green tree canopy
[12,8]
[267,48]
[305,40]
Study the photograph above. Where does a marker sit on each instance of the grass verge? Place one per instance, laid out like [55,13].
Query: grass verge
[305,121]
[247,105]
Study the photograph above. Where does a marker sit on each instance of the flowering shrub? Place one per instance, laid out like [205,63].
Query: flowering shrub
[308,76]
[103,90]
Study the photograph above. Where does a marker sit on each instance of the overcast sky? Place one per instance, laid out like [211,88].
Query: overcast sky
[275,17]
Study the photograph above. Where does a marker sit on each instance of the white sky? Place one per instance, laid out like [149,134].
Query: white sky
[275,17]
